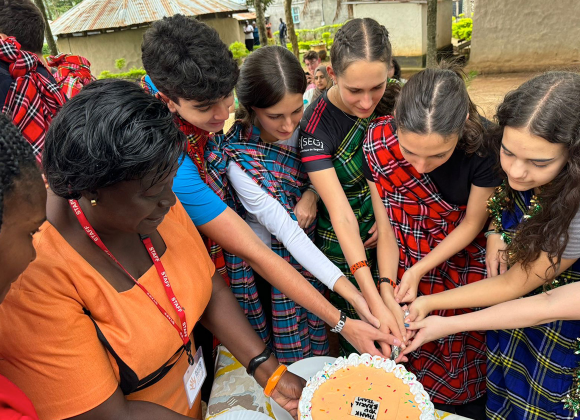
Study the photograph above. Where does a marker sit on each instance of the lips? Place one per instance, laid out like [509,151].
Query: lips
[158,219]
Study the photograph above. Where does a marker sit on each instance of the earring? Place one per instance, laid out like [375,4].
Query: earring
[94,203]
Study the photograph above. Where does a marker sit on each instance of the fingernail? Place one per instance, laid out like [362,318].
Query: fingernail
[407,320]
[406,325]
[397,342]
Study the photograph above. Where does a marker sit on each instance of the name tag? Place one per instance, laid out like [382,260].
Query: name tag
[194,377]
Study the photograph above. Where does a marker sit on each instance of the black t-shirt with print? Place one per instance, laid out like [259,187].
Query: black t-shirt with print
[455,177]
[322,129]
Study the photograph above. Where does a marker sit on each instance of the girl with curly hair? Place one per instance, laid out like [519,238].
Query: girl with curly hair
[532,372]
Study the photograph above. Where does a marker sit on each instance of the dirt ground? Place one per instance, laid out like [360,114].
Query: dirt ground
[487,91]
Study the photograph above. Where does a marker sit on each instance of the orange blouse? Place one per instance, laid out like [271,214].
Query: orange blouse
[49,347]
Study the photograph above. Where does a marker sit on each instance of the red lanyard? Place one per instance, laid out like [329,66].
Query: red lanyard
[158,265]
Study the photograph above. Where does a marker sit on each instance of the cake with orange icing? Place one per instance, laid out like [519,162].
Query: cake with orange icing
[364,387]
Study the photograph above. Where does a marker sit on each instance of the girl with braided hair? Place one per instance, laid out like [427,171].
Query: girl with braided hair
[332,131]
[22,211]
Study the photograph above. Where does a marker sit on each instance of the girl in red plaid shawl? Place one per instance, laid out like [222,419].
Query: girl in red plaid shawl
[428,167]
[72,72]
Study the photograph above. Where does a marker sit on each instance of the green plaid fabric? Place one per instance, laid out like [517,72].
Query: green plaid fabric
[348,162]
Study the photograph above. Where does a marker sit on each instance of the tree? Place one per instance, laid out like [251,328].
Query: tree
[47,30]
[431,33]
[261,22]
[290,26]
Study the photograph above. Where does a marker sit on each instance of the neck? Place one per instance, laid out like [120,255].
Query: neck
[336,100]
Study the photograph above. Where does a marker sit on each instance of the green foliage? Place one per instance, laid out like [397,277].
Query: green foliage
[305,35]
[120,63]
[326,36]
[462,29]
[55,8]
[45,49]
[133,74]
[303,46]
[470,77]
[239,51]
[271,41]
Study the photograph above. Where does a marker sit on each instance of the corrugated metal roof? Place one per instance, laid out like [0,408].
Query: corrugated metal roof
[244,16]
[91,15]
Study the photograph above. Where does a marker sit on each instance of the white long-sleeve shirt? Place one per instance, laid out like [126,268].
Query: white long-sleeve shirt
[267,217]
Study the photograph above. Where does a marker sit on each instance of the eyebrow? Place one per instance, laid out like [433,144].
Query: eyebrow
[357,88]
[297,109]
[532,160]
[438,154]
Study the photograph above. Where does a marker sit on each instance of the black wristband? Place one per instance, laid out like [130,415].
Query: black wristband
[258,360]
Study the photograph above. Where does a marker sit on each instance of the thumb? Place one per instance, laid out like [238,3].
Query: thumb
[415,344]
[403,288]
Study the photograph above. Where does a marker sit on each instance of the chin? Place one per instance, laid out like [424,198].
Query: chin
[521,186]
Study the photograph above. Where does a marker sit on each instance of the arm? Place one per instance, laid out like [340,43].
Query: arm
[236,333]
[387,256]
[274,217]
[346,227]
[515,283]
[232,233]
[558,304]
[475,218]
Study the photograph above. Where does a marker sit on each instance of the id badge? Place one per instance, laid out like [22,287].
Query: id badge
[194,377]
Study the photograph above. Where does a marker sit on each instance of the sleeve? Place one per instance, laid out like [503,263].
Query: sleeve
[485,173]
[572,250]
[316,151]
[53,354]
[200,202]
[271,214]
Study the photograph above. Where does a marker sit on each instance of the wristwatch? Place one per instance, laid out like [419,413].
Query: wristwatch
[340,324]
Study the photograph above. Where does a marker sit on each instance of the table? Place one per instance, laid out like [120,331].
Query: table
[233,390]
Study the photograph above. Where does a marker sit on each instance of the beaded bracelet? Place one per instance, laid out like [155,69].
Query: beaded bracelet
[360,264]
[492,232]
[386,280]
[274,379]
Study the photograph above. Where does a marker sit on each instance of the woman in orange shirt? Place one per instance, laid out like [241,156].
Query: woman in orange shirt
[86,338]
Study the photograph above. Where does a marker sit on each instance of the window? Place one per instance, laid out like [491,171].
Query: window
[296,14]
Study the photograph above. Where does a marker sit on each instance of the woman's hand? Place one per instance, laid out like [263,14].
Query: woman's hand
[372,241]
[429,329]
[305,210]
[495,255]
[418,310]
[363,336]
[391,316]
[351,294]
[288,391]
[406,290]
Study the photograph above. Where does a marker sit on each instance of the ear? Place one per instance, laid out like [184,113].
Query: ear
[3,36]
[467,118]
[170,104]
[90,195]
[331,74]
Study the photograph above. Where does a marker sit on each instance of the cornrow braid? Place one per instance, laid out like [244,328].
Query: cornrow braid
[360,39]
[16,158]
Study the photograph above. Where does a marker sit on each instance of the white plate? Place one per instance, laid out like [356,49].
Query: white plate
[243,415]
[305,368]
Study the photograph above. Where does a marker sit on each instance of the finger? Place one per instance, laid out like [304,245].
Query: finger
[365,314]
[409,297]
[493,267]
[401,358]
[416,325]
[403,288]
[503,267]
[373,229]
[386,349]
[388,339]
[415,344]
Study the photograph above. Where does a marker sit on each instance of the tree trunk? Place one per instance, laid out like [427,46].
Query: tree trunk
[48,31]
[261,22]
[431,33]
[48,11]
[290,26]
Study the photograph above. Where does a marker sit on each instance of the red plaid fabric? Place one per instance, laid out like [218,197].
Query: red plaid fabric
[33,100]
[72,73]
[451,369]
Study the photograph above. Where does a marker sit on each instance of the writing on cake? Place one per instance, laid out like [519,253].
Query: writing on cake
[365,408]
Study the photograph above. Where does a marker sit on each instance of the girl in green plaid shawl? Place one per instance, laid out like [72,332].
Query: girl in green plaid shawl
[258,170]
[534,239]
[331,137]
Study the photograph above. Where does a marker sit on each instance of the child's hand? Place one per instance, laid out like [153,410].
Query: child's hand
[418,310]
[495,255]
[429,329]
[406,290]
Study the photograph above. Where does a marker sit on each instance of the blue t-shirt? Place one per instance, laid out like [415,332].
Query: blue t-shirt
[200,202]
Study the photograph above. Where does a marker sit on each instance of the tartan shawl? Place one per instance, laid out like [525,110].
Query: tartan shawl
[278,170]
[32,100]
[451,369]
[72,72]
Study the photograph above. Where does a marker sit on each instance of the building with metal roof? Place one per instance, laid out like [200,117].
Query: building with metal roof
[106,30]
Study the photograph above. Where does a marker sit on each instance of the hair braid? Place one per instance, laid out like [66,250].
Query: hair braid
[16,157]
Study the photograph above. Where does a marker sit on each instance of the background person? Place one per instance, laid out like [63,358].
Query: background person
[249,37]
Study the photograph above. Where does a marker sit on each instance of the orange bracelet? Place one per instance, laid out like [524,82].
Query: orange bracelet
[386,280]
[358,265]
[274,379]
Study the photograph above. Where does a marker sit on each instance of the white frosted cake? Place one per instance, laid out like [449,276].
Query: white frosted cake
[364,387]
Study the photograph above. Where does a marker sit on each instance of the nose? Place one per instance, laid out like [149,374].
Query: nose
[366,102]
[288,126]
[517,170]
[222,112]
[168,199]
[420,165]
